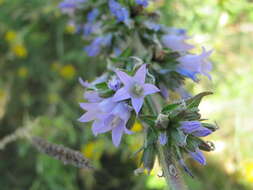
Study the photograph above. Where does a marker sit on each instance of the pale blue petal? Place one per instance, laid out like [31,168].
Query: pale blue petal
[125,78]
[137,104]
[121,94]
[140,74]
[198,156]
[117,135]
[150,89]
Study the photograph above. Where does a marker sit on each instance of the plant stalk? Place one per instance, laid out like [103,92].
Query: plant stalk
[171,173]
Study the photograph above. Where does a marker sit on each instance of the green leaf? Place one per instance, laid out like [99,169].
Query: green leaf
[101,86]
[126,53]
[150,120]
[169,108]
[212,127]
[195,101]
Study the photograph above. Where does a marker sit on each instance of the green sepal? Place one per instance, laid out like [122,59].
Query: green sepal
[131,121]
[179,137]
[212,127]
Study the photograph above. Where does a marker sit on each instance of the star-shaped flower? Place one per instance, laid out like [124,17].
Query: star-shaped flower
[134,88]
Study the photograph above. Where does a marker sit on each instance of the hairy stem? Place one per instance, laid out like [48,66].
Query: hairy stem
[168,164]
[170,171]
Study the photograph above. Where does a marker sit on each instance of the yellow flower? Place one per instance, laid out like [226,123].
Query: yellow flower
[137,127]
[11,35]
[248,171]
[92,150]
[70,29]
[19,50]
[68,71]
[22,72]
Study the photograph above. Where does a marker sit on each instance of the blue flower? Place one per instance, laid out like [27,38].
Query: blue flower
[198,156]
[162,138]
[107,115]
[92,15]
[144,3]
[114,83]
[153,26]
[69,6]
[120,12]
[190,65]
[195,128]
[95,47]
[176,42]
[134,88]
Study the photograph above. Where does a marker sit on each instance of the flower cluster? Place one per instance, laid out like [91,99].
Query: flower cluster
[128,36]
[112,113]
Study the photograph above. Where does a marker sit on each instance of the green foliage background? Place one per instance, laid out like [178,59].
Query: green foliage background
[41,60]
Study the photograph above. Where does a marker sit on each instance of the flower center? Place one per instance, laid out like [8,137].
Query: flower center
[115,122]
[137,90]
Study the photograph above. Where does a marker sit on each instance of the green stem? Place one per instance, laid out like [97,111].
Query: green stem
[170,171]
[168,164]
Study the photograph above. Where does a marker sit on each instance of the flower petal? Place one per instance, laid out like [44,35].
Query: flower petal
[202,132]
[198,156]
[117,134]
[99,127]
[140,74]
[88,106]
[125,78]
[137,103]
[150,89]
[121,94]
[88,116]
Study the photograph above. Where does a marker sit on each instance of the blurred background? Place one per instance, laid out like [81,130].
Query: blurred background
[41,59]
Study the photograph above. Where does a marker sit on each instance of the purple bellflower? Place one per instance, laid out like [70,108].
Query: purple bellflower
[195,128]
[114,121]
[91,27]
[120,12]
[134,88]
[144,3]
[114,83]
[176,42]
[69,6]
[152,26]
[162,138]
[198,156]
[107,115]
[95,47]
[190,65]
[92,15]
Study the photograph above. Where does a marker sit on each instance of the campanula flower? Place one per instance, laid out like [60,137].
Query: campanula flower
[195,128]
[176,42]
[162,138]
[114,121]
[134,88]
[120,12]
[144,3]
[69,6]
[190,65]
[114,83]
[90,28]
[95,47]
[92,15]
[152,26]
